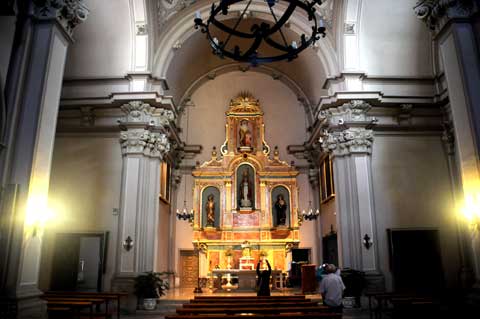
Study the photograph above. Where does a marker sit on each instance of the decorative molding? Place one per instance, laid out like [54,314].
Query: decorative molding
[353,111]
[69,13]
[88,116]
[141,141]
[349,28]
[352,140]
[138,111]
[432,12]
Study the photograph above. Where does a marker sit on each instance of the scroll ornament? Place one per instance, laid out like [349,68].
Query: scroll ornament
[69,13]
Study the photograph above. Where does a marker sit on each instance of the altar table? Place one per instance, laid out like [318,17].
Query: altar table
[247,279]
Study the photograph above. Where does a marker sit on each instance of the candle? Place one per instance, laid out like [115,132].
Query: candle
[321,23]
[294,45]
[198,15]
[215,40]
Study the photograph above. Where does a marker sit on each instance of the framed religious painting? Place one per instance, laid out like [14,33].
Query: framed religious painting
[165,174]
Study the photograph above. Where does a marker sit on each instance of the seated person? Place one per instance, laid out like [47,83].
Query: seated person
[263,281]
[331,288]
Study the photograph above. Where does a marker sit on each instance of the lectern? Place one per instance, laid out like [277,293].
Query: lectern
[309,282]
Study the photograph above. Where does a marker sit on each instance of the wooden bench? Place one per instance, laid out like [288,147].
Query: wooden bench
[75,306]
[107,296]
[253,299]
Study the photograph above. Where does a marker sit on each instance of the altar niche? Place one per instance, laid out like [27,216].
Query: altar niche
[245,187]
[281,206]
[210,207]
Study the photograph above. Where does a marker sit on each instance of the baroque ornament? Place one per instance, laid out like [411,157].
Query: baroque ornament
[141,141]
[352,140]
[432,11]
[69,13]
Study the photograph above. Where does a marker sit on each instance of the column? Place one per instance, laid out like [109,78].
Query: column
[144,144]
[451,23]
[350,140]
[33,88]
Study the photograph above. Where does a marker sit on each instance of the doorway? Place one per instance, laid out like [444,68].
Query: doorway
[188,269]
[79,261]
[410,247]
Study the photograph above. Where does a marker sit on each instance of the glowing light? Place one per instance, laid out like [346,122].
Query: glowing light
[471,209]
[38,213]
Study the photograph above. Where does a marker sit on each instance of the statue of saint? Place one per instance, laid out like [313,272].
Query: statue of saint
[281,210]
[210,208]
[245,191]
[245,134]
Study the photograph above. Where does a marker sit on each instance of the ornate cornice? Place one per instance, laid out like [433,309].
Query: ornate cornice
[350,112]
[432,12]
[140,112]
[69,13]
[352,140]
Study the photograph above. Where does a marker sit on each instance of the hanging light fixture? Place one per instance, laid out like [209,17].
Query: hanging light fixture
[310,213]
[265,42]
[185,214]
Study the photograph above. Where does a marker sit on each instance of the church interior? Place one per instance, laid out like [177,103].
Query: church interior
[136,141]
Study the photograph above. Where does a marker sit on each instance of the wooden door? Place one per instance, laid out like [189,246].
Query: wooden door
[65,262]
[188,269]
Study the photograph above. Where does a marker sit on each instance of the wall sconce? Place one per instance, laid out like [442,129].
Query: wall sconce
[128,243]
[367,241]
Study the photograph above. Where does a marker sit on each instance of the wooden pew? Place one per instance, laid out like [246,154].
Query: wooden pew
[107,296]
[76,306]
[97,302]
[251,297]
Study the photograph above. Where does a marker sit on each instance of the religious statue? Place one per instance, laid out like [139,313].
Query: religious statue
[245,191]
[210,209]
[281,210]
[245,134]
[246,249]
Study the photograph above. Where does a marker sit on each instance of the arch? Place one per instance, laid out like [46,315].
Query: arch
[179,37]
[181,27]
[242,202]
[281,189]
[205,192]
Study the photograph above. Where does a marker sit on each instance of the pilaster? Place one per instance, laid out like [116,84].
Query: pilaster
[144,143]
[349,139]
[451,24]
[43,33]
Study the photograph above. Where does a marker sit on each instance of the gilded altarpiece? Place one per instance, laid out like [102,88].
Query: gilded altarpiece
[246,172]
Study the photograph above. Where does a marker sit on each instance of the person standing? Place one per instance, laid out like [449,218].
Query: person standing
[331,288]
[263,282]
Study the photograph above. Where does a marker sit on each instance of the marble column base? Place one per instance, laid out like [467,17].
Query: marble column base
[126,284]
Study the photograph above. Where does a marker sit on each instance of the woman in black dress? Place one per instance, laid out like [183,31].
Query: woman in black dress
[263,281]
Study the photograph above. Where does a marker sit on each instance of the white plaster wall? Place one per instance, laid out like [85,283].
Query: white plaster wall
[103,43]
[84,189]
[7,27]
[393,42]
[412,190]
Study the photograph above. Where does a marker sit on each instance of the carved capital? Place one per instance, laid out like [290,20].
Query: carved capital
[69,13]
[432,12]
[141,141]
[138,112]
[165,117]
[351,140]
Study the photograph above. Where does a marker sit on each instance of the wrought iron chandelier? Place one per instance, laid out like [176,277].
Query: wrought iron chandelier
[262,36]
